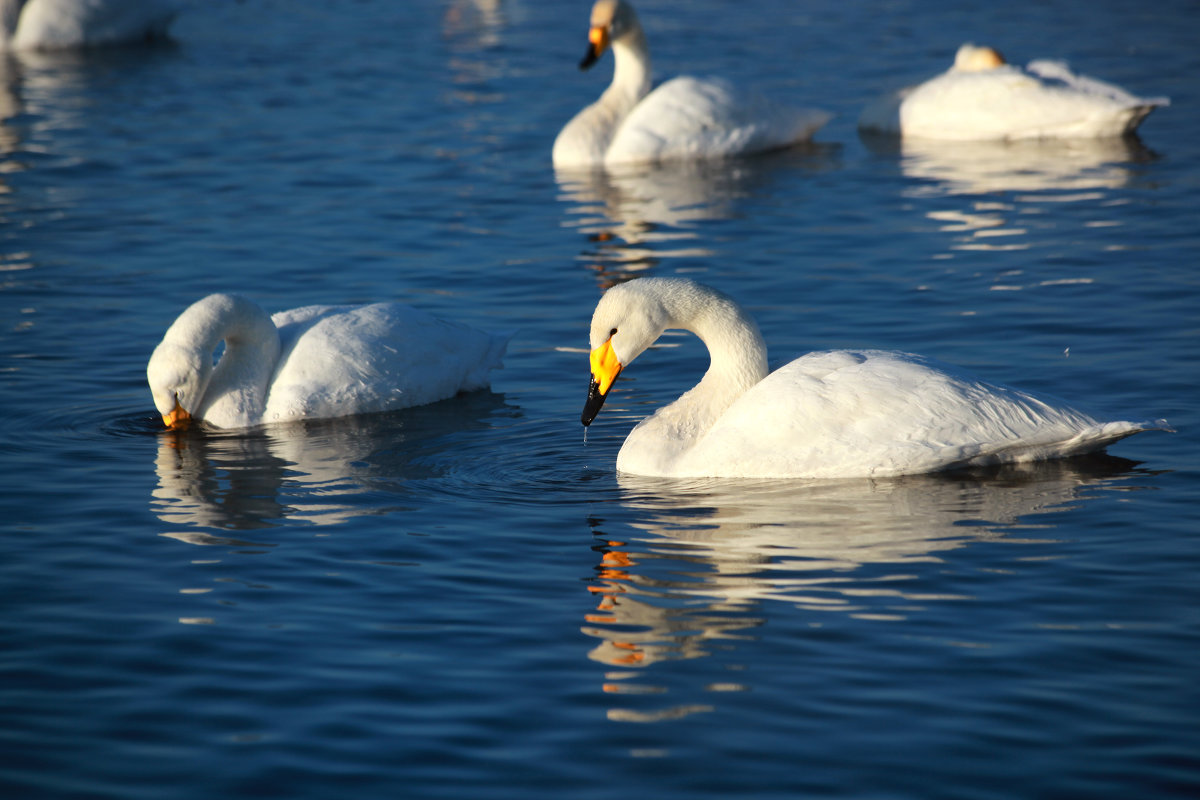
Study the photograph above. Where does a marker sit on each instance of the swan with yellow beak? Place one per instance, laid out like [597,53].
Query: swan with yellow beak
[832,414]
[685,118]
[605,369]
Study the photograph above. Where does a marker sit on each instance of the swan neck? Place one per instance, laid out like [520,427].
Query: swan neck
[239,383]
[738,361]
[737,353]
[631,67]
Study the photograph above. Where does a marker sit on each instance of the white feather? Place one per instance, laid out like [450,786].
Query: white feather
[1001,101]
[837,414]
[313,362]
[53,24]
[684,118]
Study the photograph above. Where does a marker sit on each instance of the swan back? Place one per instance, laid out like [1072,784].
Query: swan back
[877,413]
[338,360]
[698,118]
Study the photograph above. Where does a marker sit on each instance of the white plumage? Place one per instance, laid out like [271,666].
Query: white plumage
[684,118]
[53,24]
[837,414]
[982,97]
[312,362]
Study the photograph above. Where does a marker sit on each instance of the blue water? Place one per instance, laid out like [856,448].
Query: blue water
[465,600]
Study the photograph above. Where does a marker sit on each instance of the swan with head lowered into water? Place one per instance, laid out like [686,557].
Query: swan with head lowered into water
[314,362]
[835,414]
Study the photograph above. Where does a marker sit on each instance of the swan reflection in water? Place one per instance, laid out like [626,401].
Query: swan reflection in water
[322,472]
[636,215]
[1023,166]
[994,192]
[703,556]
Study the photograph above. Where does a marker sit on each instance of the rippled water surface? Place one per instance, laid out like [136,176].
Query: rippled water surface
[465,599]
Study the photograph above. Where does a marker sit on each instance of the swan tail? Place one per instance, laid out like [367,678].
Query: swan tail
[492,358]
[808,121]
[1059,71]
[1092,439]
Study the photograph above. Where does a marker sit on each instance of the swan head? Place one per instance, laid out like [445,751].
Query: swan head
[611,21]
[627,320]
[181,367]
[971,58]
[178,378]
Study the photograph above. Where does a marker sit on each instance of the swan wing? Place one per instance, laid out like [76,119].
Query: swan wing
[1051,70]
[340,360]
[874,413]
[699,118]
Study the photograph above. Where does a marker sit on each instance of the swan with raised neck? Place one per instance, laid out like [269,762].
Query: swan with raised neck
[615,26]
[836,414]
[683,119]
[630,317]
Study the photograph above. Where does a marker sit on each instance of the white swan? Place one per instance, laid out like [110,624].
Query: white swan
[684,118]
[312,362]
[837,414]
[982,97]
[50,24]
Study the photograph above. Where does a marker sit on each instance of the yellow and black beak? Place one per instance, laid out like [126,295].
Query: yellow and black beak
[597,44]
[178,419]
[605,369]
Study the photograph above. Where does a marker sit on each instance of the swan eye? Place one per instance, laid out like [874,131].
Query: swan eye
[612,333]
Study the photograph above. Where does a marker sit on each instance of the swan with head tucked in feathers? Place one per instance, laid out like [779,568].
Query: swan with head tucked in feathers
[311,363]
[982,97]
[684,118]
[835,414]
[53,24]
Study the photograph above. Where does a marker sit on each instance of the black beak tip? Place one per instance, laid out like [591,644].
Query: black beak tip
[589,58]
[592,407]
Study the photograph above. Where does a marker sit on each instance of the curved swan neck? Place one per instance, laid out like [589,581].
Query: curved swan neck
[737,353]
[222,317]
[631,67]
[239,382]
[738,361]
[584,140]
